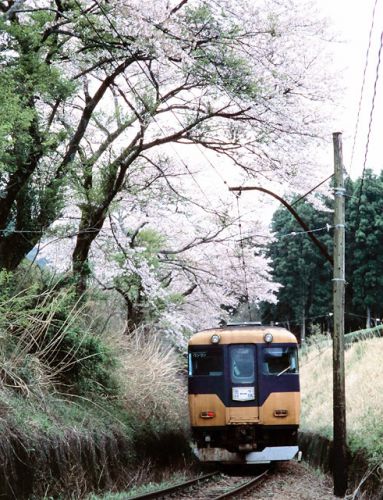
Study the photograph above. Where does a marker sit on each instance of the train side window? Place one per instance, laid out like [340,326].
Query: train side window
[207,362]
[279,360]
[242,364]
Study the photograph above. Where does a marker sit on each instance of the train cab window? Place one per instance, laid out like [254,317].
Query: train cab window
[207,362]
[279,360]
[242,364]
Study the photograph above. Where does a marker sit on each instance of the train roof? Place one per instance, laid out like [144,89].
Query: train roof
[243,334]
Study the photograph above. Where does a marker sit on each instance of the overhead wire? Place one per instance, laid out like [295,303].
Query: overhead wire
[326,316]
[373,104]
[363,84]
[370,126]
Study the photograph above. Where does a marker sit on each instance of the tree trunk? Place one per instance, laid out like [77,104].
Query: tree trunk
[90,226]
[13,249]
[133,316]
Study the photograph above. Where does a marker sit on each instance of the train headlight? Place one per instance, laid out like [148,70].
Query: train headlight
[268,337]
[215,339]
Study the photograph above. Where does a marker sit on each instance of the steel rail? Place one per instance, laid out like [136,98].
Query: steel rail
[243,487]
[171,489]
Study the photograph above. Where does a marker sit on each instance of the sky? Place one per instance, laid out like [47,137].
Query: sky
[351,21]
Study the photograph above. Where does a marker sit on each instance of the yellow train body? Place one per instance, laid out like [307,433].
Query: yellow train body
[250,416]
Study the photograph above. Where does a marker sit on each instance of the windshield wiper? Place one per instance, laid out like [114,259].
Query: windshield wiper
[285,370]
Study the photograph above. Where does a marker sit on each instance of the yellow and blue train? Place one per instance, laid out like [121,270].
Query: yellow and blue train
[244,395]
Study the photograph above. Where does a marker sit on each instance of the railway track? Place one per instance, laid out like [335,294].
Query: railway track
[213,486]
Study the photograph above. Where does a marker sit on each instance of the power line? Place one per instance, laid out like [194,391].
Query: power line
[370,125]
[327,228]
[106,229]
[326,316]
[363,83]
[373,102]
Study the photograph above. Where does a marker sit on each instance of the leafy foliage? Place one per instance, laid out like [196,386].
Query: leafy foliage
[365,230]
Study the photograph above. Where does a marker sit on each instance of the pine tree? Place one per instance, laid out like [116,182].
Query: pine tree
[365,241]
[304,274]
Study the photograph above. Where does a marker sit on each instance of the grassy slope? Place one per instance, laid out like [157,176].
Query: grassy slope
[79,401]
[364,393]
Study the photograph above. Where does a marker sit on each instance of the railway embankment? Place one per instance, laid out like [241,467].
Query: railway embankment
[365,478]
[364,393]
[82,407]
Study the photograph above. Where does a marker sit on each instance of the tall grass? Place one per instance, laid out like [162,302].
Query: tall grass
[364,394]
[153,379]
[79,396]
[43,345]
[51,342]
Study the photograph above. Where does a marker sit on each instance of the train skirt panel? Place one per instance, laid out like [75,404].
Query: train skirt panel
[267,455]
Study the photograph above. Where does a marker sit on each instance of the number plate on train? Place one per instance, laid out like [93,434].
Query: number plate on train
[243,393]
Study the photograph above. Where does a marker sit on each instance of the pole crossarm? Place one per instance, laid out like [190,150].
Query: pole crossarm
[294,213]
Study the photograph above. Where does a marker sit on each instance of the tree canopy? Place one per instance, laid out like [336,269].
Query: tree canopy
[102,100]
[299,267]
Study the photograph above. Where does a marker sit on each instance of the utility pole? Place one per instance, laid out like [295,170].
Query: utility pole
[338,262]
[339,393]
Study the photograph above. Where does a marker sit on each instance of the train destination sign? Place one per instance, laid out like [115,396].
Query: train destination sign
[243,393]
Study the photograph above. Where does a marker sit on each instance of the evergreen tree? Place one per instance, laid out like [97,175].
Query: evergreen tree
[302,271]
[364,242]
[304,275]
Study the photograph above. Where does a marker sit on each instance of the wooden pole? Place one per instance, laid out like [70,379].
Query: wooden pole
[339,393]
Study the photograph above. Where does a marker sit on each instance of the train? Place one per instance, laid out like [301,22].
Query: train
[244,394]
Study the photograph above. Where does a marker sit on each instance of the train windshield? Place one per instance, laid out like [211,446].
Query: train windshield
[280,360]
[207,362]
[242,364]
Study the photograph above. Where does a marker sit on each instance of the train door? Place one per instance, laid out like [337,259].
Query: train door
[243,390]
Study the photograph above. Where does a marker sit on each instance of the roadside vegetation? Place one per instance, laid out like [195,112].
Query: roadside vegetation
[364,391]
[83,407]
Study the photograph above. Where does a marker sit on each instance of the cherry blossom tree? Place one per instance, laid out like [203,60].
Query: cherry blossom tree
[174,263]
[133,89]
[232,79]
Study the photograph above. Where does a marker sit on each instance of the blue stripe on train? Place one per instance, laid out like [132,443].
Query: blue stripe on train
[264,384]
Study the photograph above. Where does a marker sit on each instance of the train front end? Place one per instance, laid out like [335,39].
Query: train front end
[244,396]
